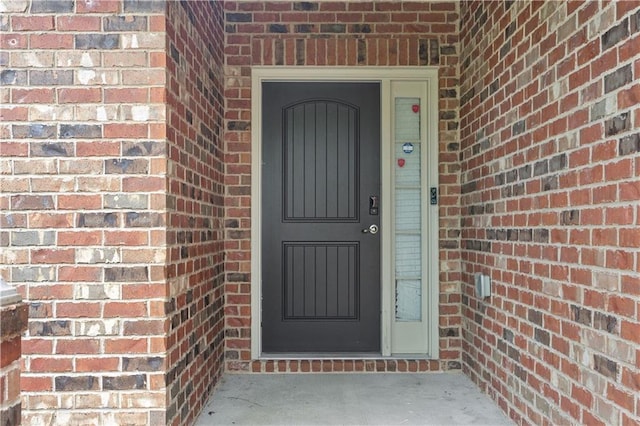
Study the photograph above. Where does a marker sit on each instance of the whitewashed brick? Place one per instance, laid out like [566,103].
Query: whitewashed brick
[97,291]
[13,5]
[97,255]
[72,59]
[143,41]
[100,113]
[91,77]
[103,327]
[143,113]
[602,21]
[40,59]
[51,113]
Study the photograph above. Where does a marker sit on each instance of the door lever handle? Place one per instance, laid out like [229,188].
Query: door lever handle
[372,229]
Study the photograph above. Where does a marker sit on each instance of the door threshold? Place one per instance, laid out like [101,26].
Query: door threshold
[285,356]
[323,355]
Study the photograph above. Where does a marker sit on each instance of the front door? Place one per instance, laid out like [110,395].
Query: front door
[320,213]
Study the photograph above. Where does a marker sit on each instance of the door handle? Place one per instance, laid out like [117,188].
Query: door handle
[372,229]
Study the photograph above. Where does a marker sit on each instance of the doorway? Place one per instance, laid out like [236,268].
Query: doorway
[320,215]
[328,227]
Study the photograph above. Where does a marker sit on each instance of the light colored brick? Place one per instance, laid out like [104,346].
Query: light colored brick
[47,166]
[143,41]
[96,113]
[97,255]
[50,113]
[91,77]
[71,59]
[126,201]
[102,327]
[40,59]
[13,5]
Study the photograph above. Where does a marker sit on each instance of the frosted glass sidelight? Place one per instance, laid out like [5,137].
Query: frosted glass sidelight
[407,119]
[408,210]
[408,300]
[408,169]
[408,258]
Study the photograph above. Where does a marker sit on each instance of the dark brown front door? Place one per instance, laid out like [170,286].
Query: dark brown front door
[321,166]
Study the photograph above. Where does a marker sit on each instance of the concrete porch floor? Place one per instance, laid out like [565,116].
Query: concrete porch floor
[350,399]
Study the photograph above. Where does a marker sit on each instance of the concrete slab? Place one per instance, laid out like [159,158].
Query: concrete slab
[350,399]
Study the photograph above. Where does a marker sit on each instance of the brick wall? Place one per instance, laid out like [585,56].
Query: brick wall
[336,33]
[14,319]
[83,163]
[124,220]
[550,184]
[195,268]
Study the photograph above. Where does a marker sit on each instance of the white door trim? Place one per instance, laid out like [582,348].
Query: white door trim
[384,75]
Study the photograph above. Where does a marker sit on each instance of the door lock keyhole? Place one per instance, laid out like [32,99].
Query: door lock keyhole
[372,229]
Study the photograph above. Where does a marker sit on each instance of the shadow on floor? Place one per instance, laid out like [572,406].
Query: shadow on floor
[350,399]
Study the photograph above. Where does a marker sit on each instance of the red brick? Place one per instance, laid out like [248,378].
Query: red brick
[78,310]
[126,238]
[30,383]
[630,331]
[77,346]
[51,41]
[79,202]
[78,23]
[14,113]
[10,351]
[630,237]
[82,238]
[53,256]
[13,41]
[630,285]
[629,97]
[51,292]
[125,346]
[631,379]
[125,309]
[127,131]
[14,149]
[32,23]
[97,6]
[620,397]
[93,364]
[50,364]
[50,220]
[622,306]
[79,95]
[128,95]
[98,149]
[32,96]
[79,273]
[37,346]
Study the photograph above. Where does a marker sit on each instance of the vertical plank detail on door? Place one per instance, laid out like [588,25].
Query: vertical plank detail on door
[321,281]
[320,157]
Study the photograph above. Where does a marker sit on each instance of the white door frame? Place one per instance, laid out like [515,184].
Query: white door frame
[383,75]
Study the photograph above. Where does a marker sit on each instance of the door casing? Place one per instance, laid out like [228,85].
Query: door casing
[383,75]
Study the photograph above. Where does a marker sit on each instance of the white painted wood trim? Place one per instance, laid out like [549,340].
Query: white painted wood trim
[384,75]
[432,236]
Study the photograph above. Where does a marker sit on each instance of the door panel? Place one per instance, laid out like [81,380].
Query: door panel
[321,163]
[320,281]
